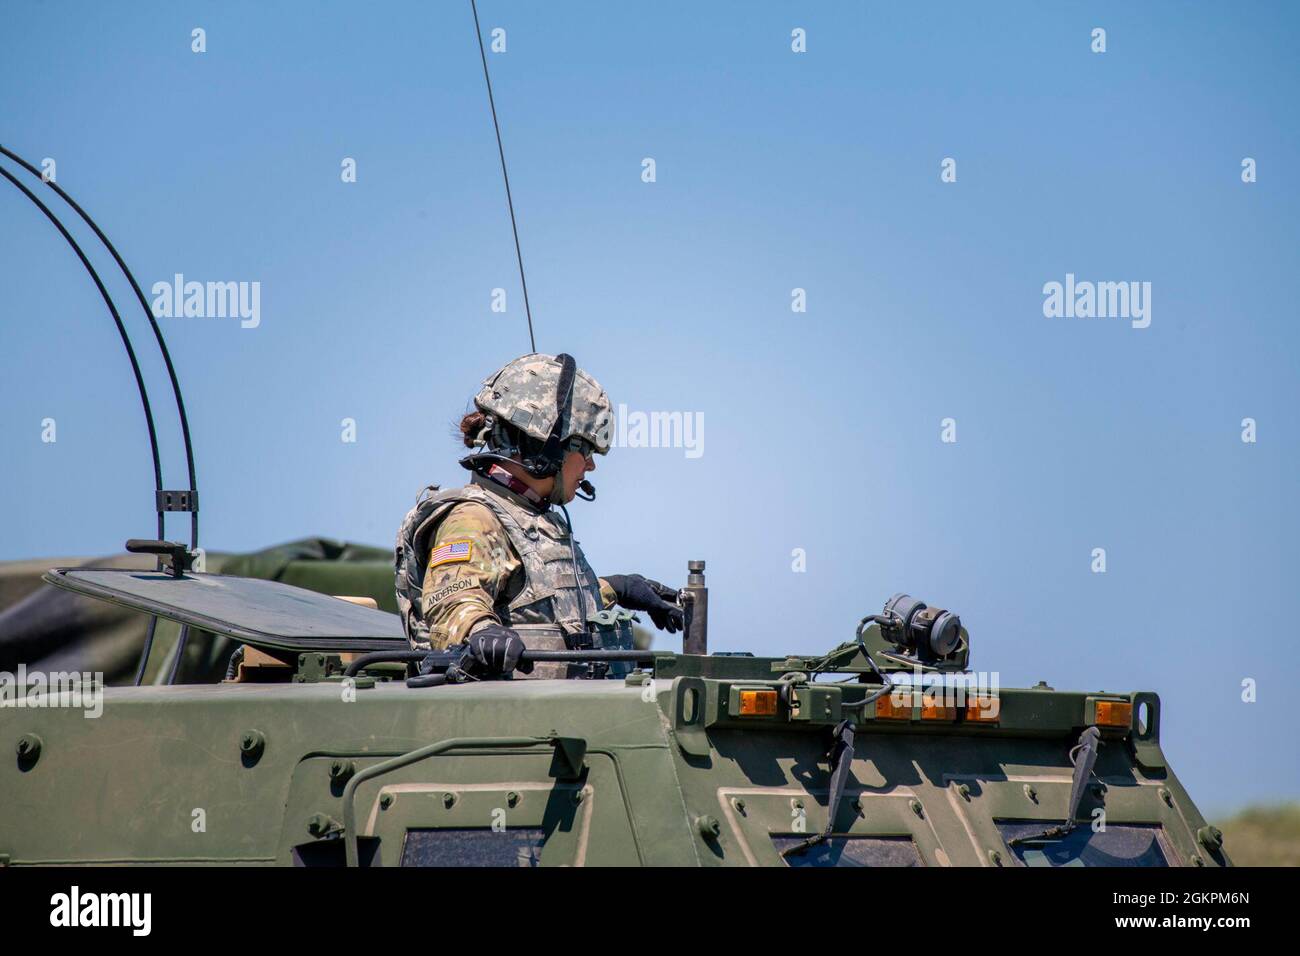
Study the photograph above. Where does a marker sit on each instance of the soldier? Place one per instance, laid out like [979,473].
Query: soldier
[492,566]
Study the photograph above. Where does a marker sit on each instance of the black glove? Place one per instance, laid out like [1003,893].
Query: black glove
[493,651]
[637,593]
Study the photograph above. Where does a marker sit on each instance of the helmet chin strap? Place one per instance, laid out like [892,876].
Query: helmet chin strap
[585,490]
[556,496]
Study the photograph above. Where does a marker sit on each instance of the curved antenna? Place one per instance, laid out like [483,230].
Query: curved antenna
[121,329]
[504,175]
[157,332]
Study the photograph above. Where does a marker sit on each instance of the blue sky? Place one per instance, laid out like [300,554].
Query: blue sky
[775,171]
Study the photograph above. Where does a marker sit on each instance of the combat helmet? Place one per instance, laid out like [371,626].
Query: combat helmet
[536,406]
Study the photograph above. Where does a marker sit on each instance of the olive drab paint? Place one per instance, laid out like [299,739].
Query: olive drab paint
[663,767]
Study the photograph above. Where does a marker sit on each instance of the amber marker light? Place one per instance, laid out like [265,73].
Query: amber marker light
[933,708]
[890,707]
[757,703]
[983,710]
[1114,714]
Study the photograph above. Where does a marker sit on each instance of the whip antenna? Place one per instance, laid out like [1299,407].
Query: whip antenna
[478,32]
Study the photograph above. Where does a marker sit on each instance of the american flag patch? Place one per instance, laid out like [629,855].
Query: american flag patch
[450,552]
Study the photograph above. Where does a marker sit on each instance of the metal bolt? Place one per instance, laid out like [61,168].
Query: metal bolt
[1210,837]
[29,747]
[340,770]
[1167,797]
[739,804]
[448,800]
[708,826]
[1031,793]
[512,799]
[252,743]
[577,796]
[995,857]
[318,825]
[796,804]
[385,801]
[963,789]
[916,807]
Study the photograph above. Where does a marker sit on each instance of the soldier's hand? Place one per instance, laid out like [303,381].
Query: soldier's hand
[493,650]
[637,593]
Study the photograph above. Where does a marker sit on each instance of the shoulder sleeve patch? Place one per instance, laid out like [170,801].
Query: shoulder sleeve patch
[451,552]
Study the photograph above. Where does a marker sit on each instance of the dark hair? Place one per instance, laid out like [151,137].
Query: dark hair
[470,426]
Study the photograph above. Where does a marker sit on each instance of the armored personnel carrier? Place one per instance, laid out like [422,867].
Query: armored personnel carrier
[330,742]
[325,747]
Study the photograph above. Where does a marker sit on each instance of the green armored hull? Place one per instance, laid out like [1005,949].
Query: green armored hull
[692,760]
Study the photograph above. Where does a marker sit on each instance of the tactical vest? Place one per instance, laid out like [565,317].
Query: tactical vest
[548,611]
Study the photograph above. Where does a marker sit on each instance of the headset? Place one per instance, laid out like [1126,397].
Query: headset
[547,460]
[550,458]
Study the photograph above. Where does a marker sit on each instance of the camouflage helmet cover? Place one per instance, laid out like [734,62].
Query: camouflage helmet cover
[523,395]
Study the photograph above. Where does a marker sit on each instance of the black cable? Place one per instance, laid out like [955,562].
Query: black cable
[427,680]
[571,656]
[383,657]
[478,32]
[841,761]
[148,647]
[884,620]
[126,341]
[157,332]
[180,653]
[886,685]
[871,698]
[232,666]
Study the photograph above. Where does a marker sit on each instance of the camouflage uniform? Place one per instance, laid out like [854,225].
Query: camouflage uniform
[483,554]
[495,557]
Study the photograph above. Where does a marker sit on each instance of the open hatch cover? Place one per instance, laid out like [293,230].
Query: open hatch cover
[250,610]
